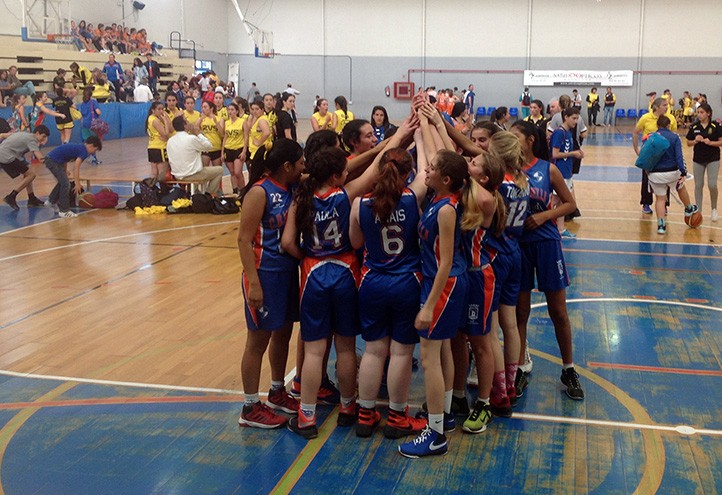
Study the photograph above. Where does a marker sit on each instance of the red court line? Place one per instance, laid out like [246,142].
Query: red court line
[655,369]
[122,400]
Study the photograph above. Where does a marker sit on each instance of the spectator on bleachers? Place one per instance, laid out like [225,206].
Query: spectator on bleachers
[114,74]
[86,37]
[141,39]
[82,76]
[128,86]
[142,93]
[19,88]
[101,89]
[97,34]
[153,72]
[175,89]
[139,71]
[5,90]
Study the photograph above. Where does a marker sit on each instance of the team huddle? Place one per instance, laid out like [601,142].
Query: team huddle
[429,237]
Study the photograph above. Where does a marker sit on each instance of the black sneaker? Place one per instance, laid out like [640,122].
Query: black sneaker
[10,200]
[34,201]
[521,382]
[307,432]
[570,378]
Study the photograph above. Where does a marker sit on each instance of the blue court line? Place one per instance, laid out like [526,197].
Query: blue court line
[605,136]
[607,173]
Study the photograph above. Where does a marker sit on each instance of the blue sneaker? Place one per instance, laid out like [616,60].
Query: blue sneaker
[449,420]
[647,210]
[427,443]
[568,235]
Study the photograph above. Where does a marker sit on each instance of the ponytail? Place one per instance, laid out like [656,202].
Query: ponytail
[508,147]
[395,165]
[499,214]
[472,216]
[270,161]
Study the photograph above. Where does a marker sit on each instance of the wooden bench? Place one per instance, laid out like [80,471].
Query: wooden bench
[189,185]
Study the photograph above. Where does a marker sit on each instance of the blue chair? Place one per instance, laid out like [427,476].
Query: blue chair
[642,111]
[514,112]
[490,111]
[631,113]
[480,112]
[620,113]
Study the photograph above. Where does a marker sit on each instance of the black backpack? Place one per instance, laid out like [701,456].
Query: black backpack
[202,203]
[225,206]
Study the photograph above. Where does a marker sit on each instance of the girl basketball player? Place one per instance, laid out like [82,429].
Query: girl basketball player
[384,222]
[321,119]
[443,294]
[515,192]
[234,146]
[171,106]
[258,129]
[342,115]
[158,126]
[219,102]
[542,256]
[329,274]
[190,113]
[211,128]
[270,279]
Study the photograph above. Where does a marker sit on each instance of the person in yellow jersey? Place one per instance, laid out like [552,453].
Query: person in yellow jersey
[259,129]
[234,146]
[158,126]
[342,115]
[322,119]
[171,106]
[190,113]
[269,108]
[212,128]
[667,95]
[646,125]
[82,76]
[101,89]
[592,107]
[687,110]
[220,104]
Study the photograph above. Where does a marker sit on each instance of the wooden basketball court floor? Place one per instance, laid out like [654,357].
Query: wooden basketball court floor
[121,338]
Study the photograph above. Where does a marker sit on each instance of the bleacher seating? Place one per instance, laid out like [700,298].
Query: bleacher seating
[38,62]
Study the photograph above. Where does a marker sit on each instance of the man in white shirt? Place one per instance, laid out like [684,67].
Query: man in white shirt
[142,93]
[184,155]
[291,90]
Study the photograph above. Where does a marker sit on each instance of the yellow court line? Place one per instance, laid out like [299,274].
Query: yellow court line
[305,457]
[653,445]
[11,427]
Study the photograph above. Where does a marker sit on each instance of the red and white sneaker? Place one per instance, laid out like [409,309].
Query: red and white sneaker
[259,415]
[347,414]
[304,426]
[281,400]
[368,420]
[401,424]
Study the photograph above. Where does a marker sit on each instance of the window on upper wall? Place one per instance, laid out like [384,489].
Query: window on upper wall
[203,66]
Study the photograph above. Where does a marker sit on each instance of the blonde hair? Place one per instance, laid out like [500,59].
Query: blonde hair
[508,147]
[472,216]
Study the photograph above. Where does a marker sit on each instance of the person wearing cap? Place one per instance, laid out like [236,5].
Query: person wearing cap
[142,93]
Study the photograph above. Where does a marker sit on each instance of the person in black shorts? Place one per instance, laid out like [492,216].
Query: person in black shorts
[12,161]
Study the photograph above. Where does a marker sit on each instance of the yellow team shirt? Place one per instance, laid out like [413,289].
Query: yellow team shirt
[192,117]
[234,133]
[592,98]
[223,113]
[155,142]
[688,111]
[342,120]
[255,133]
[272,121]
[325,122]
[84,74]
[101,91]
[648,124]
[670,106]
[209,130]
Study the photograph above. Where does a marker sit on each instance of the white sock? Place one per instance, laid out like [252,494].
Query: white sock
[251,399]
[567,366]
[276,385]
[346,401]
[399,407]
[485,401]
[367,404]
[460,394]
[447,401]
[436,423]
[308,410]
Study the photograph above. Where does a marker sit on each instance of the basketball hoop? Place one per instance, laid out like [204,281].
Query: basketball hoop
[263,41]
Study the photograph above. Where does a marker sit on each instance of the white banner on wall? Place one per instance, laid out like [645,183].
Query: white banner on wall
[578,78]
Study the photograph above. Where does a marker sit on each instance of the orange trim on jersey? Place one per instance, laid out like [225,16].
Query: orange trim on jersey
[476,246]
[258,245]
[278,184]
[246,287]
[531,163]
[331,191]
[347,260]
[489,284]
[441,304]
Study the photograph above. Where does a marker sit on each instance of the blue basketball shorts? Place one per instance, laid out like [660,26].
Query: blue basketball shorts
[388,304]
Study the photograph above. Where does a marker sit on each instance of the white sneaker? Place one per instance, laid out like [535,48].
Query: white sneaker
[528,365]
[715,215]
[67,214]
[48,204]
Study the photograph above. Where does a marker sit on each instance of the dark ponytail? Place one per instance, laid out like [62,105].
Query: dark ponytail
[323,164]
[394,166]
[270,161]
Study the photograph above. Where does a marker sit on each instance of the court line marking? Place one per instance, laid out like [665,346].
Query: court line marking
[114,238]
[596,239]
[630,253]
[653,369]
